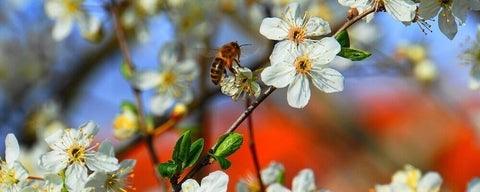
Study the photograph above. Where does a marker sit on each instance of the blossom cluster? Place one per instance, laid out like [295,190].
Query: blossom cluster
[72,164]
[297,60]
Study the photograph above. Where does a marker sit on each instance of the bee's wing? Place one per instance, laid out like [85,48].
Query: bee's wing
[248,50]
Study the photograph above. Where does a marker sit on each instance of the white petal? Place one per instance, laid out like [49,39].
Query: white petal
[88,129]
[298,93]
[272,172]
[327,80]
[304,181]
[188,69]
[292,13]
[446,22]
[402,10]
[76,177]
[215,181]
[127,167]
[401,187]
[20,172]
[383,188]
[106,148]
[96,180]
[429,182]
[53,138]
[53,182]
[102,162]
[474,185]
[190,185]
[169,54]
[278,75]
[276,187]
[460,9]
[12,150]
[274,29]
[62,29]
[283,52]
[160,103]
[317,26]
[144,80]
[323,51]
[53,161]
[428,9]
[54,9]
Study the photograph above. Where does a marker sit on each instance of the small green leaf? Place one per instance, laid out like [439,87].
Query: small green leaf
[354,54]
[228,144]
[343,39]
[182,148]
[224,163]
[168,169]
[125,70]
[195,151]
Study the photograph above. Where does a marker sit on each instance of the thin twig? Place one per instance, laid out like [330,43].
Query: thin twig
[354,20]
[122,42]
[253,150]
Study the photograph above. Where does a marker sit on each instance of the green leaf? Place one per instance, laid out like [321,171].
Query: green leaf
[168,169]
[354,54]
[195,151]
[224,163]
[182,148]
[125,70]
[228,144]
[343,39]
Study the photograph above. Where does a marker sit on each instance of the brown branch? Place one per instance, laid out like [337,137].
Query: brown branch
[253,150]
[122,42]
[354,20]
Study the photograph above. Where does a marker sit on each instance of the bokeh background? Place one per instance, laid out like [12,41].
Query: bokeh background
[387,116]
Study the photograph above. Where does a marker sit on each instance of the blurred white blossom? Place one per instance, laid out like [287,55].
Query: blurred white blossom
[401,10]
[171,83]
[303,181]
[471,56]
[411,180]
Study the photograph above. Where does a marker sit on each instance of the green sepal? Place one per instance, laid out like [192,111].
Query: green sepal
[224,163]
[228,144]
[182,149]
[343,39]
[167,169]
[128,106]
[354,54]
[125,70]
[195,152]
[281,178]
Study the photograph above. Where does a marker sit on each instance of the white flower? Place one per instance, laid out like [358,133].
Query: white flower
[451,13]
[72,152]
[112,181]
[51,183]
[172,82]
[297,66]
[474,185]
[293,27]
[401,10]
[216,181]
[411,180]
[13,176]
[302,182]
[66,13]
[241,85]
[472,56]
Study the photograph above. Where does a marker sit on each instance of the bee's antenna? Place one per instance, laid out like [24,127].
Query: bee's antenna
[246,44]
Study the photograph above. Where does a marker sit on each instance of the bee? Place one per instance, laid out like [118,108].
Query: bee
[227,55]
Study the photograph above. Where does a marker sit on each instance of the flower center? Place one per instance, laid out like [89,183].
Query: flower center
[296,34]
[169,79]
[72,6]
[76,154]
[8,176]
[303,65]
